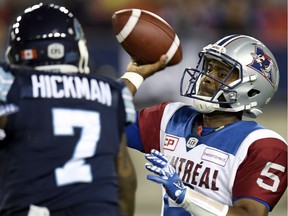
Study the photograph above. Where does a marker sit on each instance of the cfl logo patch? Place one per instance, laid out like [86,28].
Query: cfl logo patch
[55,51]
[170,142]
[192,142]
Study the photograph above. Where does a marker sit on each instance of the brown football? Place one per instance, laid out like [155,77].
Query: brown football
[145,36]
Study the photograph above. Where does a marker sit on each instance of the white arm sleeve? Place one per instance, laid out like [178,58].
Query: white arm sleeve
[6,81]
[199,204]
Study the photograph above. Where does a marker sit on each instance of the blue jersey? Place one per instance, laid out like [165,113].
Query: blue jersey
[62,138]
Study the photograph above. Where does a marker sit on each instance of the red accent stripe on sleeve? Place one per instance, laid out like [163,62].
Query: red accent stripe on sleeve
[263,173]
[149,125]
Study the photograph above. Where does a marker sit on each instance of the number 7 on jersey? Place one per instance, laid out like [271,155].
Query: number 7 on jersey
[64,123]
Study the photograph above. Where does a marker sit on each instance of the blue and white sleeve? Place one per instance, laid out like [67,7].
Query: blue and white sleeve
[129,105]
[6,81]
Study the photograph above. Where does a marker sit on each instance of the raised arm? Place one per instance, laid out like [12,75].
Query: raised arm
[136,74]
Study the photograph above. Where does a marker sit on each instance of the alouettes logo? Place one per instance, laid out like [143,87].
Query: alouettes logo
[170,142]
[262,63]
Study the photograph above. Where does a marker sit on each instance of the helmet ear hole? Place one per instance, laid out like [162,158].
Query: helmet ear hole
[253,92]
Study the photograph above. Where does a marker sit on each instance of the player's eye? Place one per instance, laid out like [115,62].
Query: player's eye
[208,67]
[222,74]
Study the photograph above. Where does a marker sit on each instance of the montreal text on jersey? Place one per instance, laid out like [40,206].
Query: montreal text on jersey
[195,173]
[63,86]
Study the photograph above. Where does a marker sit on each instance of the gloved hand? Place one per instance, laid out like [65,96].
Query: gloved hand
[166,175]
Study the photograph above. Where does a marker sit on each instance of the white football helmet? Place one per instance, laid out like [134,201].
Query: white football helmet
[257,82]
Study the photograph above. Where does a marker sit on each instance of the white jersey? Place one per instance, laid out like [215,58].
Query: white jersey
[226,164]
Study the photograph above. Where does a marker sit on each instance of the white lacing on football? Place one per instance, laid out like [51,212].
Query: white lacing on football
[173,49]
[127,29]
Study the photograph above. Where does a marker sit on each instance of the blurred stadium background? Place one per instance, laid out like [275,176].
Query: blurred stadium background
[197,22]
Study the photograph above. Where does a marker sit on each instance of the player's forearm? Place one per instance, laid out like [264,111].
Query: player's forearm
[130,85]
[247,207]
[126,179]
[199,204]
[127,189]
[127,204]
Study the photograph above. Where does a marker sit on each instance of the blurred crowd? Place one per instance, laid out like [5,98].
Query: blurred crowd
[204,20]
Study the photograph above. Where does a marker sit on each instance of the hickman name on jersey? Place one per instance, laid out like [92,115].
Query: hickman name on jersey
[58,145]
[242,159]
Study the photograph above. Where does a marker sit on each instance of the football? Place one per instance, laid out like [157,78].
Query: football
[145,36]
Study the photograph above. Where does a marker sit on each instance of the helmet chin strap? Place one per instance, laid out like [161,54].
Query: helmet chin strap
[58,68]
[83,61]
[204,106]
[7,52]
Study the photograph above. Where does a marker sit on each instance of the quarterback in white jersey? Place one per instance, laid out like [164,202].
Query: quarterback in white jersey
[209,160]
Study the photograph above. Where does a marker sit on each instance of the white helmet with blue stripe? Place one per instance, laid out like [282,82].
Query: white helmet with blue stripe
[257,82]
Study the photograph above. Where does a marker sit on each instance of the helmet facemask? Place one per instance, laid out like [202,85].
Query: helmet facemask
[220,99]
